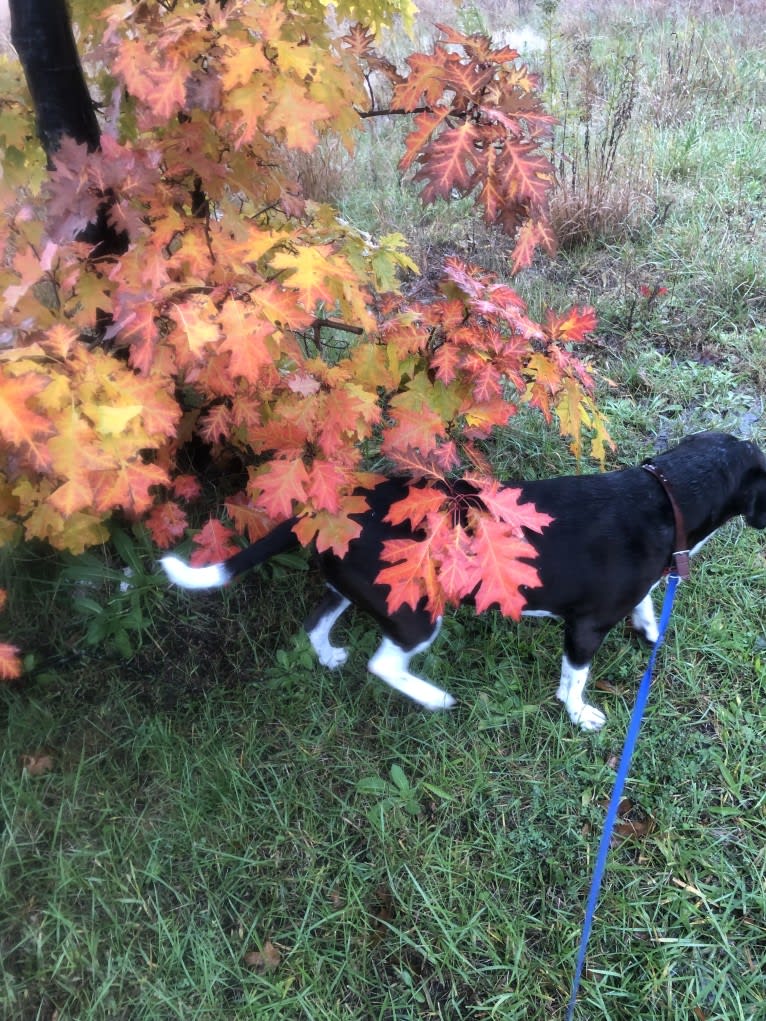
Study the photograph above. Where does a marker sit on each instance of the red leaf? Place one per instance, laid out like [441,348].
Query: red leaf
[214,544]
[411,574]
[326,485]
[502,502]
[449,162]
[459,567]
[447,361]
[413,430]
[532,235]
[425,125]
[135,323]
[575,325]
[486,382]
[166,523]
[246,335]
[186,487]
[248,520]
[424,82]
[216,425]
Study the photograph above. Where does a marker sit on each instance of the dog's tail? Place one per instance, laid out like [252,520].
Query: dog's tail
[281,539]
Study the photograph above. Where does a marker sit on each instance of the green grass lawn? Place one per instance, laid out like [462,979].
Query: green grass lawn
[222,831]
[200,822]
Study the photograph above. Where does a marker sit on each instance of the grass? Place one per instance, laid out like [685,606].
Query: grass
[202,823]
[205,803]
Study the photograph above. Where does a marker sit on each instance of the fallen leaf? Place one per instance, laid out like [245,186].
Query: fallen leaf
[632,822]
[603,685]
[36,765]
[264,961]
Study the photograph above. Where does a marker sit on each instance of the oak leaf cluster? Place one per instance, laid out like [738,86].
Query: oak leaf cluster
[258,322]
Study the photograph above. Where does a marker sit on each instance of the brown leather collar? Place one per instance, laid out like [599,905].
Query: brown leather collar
[681,554]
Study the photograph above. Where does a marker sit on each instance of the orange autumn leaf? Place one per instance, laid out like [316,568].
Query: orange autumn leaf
[280,485]
[504,569]
[328,531]
[10,662]
[574,325]
[19,423]
[411,576]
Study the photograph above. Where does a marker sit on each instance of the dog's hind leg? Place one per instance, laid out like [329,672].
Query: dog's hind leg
[391,664]
[644,621]
[320,623]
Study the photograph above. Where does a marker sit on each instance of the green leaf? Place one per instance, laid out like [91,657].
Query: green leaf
[401,781]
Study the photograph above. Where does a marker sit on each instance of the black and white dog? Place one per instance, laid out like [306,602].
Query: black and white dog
[612,538]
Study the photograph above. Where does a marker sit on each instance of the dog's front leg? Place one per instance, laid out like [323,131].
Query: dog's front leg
[570,692]
[582,638]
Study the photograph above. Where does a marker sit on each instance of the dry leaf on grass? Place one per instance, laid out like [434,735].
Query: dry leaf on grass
[264,961]
[36,765]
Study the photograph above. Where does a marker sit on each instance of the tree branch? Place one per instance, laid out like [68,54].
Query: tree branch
[397,111]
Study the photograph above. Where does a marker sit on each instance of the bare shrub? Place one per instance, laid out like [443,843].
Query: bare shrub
[604,186]
[322,173]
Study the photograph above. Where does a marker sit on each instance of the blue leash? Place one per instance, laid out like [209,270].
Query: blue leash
[619,783]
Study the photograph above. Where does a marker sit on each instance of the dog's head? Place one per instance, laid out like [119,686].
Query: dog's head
[721,471]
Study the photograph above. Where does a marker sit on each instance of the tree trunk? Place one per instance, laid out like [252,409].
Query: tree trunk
[41,33]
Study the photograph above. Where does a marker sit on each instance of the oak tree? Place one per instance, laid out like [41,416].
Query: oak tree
[163,277]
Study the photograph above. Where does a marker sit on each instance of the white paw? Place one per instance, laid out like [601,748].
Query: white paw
[651,634]
[420,691]
[589,718]
[443,701]
[333,657]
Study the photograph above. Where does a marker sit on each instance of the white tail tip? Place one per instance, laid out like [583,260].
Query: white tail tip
[212,576]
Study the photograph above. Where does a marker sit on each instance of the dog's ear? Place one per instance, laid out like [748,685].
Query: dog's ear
[755,512]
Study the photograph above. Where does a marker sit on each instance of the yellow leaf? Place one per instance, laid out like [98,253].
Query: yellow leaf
[111,421]
[294,114]
[571,414]
[314,268]
[80,531]
[44,522]
[197,319]
[75,449]
[57,395]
